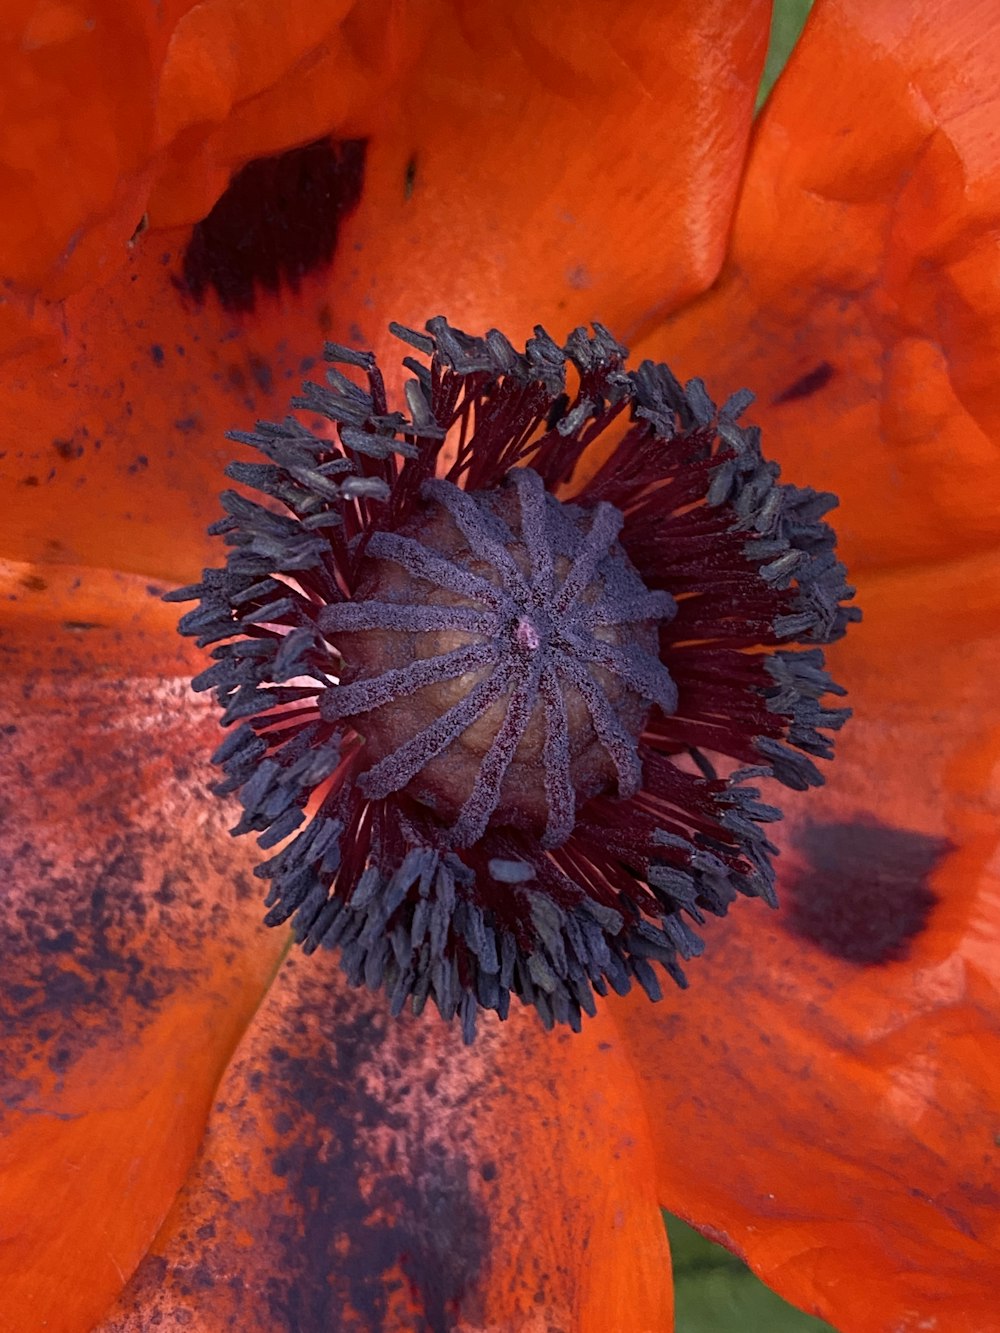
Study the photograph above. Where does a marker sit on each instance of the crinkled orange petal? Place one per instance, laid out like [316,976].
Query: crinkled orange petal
[362,1172]
[133,956]
[74,142]
[198,90]
[861,296]
[832,1117]
[557,172]
[520,171]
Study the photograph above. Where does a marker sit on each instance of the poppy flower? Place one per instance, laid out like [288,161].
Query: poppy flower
[202,1132]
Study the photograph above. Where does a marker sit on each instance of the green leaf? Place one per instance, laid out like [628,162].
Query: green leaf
[716,1293]
[787,21]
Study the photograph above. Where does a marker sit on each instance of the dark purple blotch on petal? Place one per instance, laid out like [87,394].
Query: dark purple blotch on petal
[278,220]
[368,1196]
[806,385]
[351,1218]
[863,894]
[79,907]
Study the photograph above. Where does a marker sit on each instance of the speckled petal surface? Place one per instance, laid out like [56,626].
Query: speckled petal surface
[362,1173]
[133,957]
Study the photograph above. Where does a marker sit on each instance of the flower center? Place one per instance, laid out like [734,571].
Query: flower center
[477,728]
[500,658]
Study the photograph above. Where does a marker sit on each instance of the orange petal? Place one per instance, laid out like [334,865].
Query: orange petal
[199,89]
[239,84]
[133,953]
[826,1093]
[364,1172]
[116,456]
[519,173]
[557,173]
[74,143]
[861,298]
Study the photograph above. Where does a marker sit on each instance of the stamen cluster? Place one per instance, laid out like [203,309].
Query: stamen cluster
[500,720]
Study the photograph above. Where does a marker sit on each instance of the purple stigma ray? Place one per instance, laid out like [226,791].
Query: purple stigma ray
[653,606]
[347,616]
[469,520]
[397,769]
[620,746]
[426,564]
[603,534]
[485,796]
[641,671]
[534,530]
[558,780]
[387,688]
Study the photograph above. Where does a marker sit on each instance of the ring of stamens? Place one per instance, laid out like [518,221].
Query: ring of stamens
[452,713]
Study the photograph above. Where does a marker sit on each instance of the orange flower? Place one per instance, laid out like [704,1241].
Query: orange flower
[201,1135]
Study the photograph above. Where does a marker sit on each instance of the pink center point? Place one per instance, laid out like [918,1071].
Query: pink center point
[526,635]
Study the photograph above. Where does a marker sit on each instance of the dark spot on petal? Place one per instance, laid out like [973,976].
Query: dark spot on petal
[60,1060]
[262,374]
[863,894]
[33,583]
[31,480]
[278,220]
[77,949]
[806,385]
[166,893]
[138,464]
[200,1278]
[77,914]
[187,424]
[69,449]
[410,178]
[61,943]
[157,353]
[446,1236]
